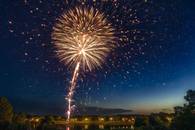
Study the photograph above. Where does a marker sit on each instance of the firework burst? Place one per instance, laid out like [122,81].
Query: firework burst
[83,38]
[83,35]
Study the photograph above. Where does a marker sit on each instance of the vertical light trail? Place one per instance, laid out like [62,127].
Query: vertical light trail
[83,38]
[71,90]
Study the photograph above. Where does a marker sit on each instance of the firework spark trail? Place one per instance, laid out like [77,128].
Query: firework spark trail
[71,89]
[83,38]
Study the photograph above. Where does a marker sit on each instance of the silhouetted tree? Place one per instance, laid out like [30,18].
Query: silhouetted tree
[185,116]
[49,120]
[46,123]
[190,97]
[157,122]
[141,121]
[20,118]
[6,110]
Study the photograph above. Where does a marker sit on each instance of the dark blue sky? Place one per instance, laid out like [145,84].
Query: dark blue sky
[150,70]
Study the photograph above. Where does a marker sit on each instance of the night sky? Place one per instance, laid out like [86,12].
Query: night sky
[149,71]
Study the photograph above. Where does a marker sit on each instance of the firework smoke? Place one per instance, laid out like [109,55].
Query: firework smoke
[83,38]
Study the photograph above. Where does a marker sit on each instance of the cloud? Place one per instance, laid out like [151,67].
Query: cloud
[90,110]
[43,108]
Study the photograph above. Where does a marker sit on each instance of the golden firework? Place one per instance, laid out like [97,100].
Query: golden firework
[83,35]
[83,38]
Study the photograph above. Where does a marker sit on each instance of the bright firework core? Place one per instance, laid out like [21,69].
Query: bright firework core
[83,38]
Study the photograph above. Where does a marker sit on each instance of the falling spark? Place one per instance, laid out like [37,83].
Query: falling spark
[83,38]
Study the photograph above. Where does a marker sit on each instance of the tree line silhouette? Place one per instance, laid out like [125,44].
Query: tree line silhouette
[183,118]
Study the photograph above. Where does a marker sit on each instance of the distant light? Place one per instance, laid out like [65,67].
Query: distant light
[101,126]
[111,119]
[86,126]
[101,119]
